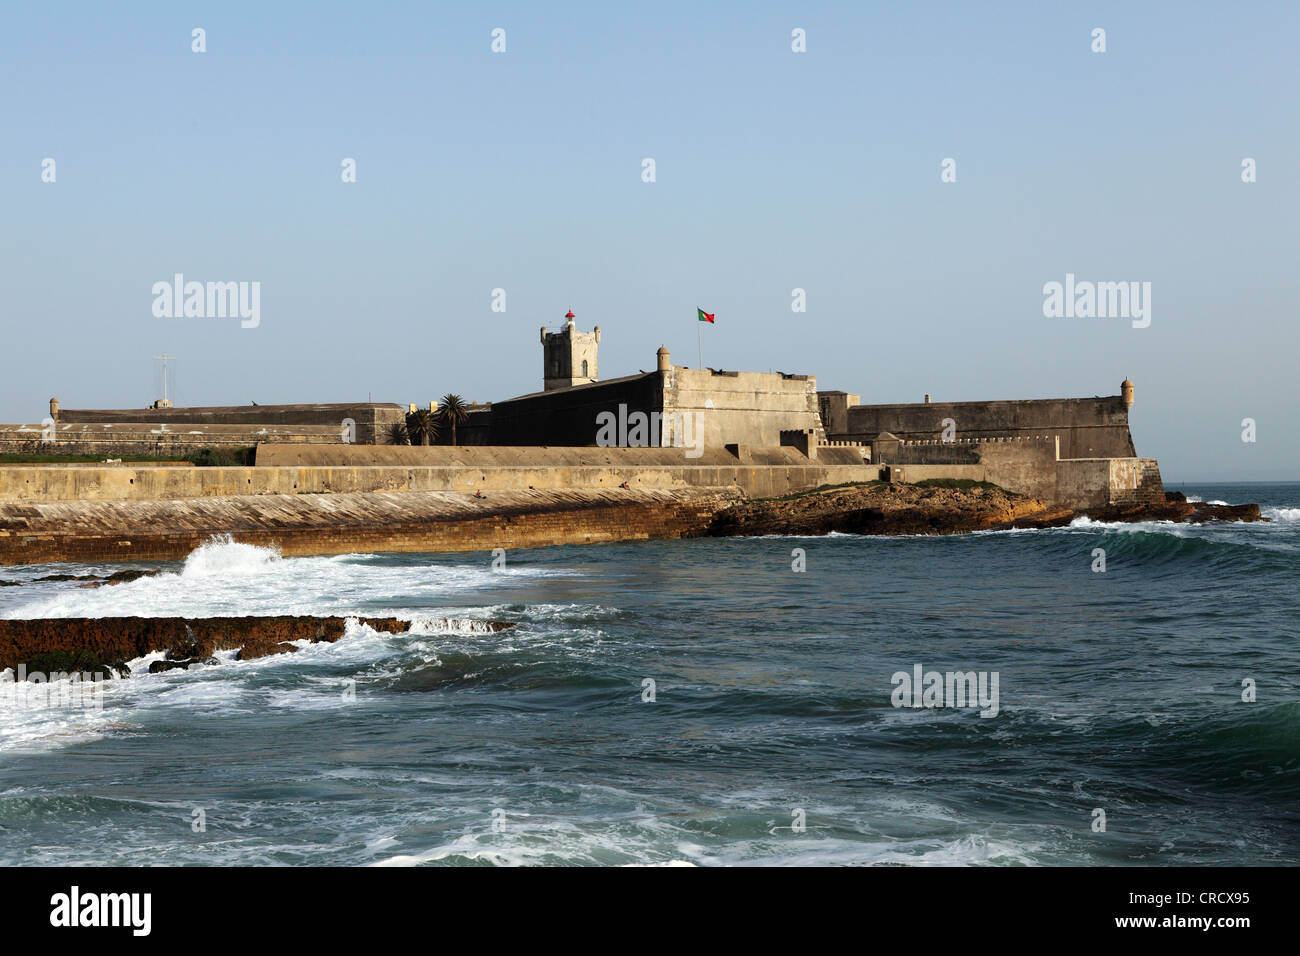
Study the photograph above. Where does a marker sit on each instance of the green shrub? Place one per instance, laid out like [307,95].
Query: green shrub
[221,457]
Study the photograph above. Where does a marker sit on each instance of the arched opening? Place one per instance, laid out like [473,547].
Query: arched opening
[584,369]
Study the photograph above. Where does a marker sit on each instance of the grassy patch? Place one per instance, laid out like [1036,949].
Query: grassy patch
[10,458]
[202,457]
[820,488]
[958,484]
[222,457]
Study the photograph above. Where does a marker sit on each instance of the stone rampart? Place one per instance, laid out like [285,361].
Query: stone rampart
[169,530]
[1087,427]
[334,469]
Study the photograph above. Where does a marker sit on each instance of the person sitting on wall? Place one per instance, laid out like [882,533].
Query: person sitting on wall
[479,494]
[623,485]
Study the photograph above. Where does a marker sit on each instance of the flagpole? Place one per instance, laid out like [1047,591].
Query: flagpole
[699,341]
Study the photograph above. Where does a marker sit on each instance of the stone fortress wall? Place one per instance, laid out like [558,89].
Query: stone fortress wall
[337,469]
[1087,427]
[169,430]
[764,433]
[1027,465]
[746,407]
[110,439]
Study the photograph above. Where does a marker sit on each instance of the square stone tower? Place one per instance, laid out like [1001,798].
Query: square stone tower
[569,355]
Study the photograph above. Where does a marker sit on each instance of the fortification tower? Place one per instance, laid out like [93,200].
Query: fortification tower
[1126,392]
[569,356]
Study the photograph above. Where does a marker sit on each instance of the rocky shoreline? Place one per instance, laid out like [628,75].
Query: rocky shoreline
[891,509]
[104,645]
[94,532]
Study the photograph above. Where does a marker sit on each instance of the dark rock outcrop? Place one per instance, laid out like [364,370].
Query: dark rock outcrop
[897,509]
[1204,512]
[105,662]
[64,644]
[883,509]
[159,667]
[120,577]
[1193,512]
[94,580]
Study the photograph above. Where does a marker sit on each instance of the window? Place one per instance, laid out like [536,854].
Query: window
[584,369]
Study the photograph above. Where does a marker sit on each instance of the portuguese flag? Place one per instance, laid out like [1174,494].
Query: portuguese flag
[705,316]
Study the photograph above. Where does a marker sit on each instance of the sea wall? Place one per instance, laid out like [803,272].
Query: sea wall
[334,469]
[168,530]
[1027,467]
[1098,482]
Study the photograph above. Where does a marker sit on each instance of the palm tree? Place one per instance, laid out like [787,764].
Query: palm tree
[453,411]
[397,434]
[422,427]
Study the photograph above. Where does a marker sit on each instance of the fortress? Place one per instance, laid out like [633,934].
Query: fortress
[762,432]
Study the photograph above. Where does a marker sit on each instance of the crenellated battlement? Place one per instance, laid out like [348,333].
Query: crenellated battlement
[966,441]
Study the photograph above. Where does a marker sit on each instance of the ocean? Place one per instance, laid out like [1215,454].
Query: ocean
[769,733]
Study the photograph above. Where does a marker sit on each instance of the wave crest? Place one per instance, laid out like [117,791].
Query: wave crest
[222,556]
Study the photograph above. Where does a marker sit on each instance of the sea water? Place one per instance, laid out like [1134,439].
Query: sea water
[696,702]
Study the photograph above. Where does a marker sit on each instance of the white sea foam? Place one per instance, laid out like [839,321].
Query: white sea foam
[225,578]
[50,715]
[1163,527]
[224,557]
[652,842]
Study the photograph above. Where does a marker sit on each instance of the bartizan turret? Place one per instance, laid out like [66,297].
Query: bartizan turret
[664,364]
[1126,390]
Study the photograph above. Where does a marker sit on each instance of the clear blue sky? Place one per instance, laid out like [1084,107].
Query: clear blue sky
[775,170]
